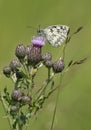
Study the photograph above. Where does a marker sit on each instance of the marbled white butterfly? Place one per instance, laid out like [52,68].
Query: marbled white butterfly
[55,34]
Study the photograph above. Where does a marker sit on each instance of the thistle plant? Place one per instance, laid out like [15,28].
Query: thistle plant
[24,101]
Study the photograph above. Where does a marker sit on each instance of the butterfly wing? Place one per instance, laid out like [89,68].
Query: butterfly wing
[56,34]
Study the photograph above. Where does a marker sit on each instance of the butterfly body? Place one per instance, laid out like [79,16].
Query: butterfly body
[55,34]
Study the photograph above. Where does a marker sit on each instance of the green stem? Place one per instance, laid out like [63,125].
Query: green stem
[64,48]
[32,79]
[54,113]
[19,124]
[48,73]
[45,84]
[25,68]
[64,51]
[5,109]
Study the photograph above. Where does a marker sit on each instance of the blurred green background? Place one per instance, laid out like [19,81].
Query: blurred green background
[74,105]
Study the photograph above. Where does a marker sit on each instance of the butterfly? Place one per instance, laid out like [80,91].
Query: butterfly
[55,34]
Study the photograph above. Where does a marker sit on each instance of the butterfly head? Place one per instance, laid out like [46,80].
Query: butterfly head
[40,32]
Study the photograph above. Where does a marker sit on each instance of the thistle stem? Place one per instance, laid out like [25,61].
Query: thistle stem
[19,125]
[5,110]
[45,84]
[64,51]
[54,113]
[48,73]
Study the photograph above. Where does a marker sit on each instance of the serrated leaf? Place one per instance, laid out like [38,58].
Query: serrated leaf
[70,63]
[78,30]
[15,123]
[80,61]
[5,89]
[52,85]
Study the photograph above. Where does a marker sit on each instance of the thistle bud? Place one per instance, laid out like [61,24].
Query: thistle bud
[26,99]
[20,51]
[28,49]
[34,56]
[15,64]
[7,71]
[48,63]
[58,66]
[19,74]
[47,56]
[13,108]
[16,95]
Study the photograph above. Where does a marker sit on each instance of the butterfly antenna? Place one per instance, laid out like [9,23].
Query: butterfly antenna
[31,27]
[39,26]
[38,29]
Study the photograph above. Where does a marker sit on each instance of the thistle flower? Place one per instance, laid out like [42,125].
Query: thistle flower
[20,51]
[58,66]
[38,41]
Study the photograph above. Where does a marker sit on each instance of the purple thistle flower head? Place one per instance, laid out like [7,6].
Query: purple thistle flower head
[38,41]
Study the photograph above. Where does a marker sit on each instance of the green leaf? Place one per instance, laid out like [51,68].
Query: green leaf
[78,29]
[80,61]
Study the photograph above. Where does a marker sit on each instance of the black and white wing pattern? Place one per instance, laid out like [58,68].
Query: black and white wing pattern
[55,34]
